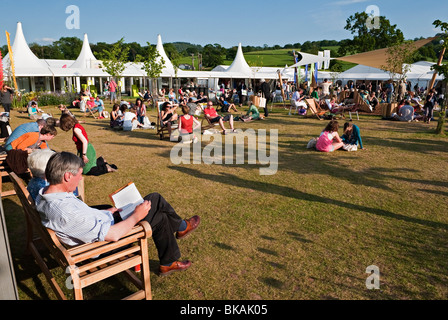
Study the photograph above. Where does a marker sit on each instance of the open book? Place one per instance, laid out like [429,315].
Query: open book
[126,198]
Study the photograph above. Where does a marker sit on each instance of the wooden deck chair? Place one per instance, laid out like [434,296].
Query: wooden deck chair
[4,169]
[161,130]
[360,104]
[82,262]
[86,111]
[315,108]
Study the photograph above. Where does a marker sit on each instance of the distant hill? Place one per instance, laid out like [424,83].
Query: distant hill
[267,58]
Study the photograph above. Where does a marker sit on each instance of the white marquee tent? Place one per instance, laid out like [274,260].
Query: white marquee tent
[55,74]
[419,73]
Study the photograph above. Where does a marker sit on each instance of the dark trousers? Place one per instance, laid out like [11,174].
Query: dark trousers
[266,111]
[7,107]
[99,169]
[164,222]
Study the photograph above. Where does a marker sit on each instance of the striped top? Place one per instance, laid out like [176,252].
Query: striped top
[73,221]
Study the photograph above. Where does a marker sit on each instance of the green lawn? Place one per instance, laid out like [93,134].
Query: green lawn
[266,58]
[307,232]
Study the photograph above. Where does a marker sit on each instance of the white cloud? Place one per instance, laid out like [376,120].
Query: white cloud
[347,2]
[45,40]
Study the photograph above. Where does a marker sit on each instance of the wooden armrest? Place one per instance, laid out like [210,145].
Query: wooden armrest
[86,251]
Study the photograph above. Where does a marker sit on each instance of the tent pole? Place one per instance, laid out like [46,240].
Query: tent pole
[433,80]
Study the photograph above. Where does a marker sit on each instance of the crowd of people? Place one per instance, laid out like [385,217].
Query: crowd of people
[55,175]
[54,188]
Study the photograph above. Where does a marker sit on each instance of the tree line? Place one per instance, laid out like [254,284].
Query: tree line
[364,39]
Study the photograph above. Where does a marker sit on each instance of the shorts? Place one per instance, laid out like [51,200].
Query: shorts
[216,119]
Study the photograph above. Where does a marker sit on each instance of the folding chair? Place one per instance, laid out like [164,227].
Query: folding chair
[87,263]
[162,130]
[315,108]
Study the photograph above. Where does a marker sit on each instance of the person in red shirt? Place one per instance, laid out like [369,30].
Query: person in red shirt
[92,165]
[186,124]
[211,114]
[112,88]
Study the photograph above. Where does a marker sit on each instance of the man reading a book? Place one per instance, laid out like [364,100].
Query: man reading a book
[75,222]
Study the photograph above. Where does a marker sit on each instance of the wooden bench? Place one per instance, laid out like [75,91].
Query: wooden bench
[82,262]
[4,170]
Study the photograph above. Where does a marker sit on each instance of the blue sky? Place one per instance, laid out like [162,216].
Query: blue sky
[251,22]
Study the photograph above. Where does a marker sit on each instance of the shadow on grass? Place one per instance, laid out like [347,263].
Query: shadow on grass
[296,194]
[414,145]
[223,246]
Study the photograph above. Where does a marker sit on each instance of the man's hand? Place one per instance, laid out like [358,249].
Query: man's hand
[142,210]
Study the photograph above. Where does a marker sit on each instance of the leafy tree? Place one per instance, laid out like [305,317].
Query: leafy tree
[68,47]
[153,64]
[368,39]
[231,53]
[134,49]
[399,58]
[442,69]
[113,60]
[212,55]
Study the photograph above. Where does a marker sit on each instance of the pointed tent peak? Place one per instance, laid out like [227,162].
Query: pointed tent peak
[239,64]
[85,56]
[23,56]
[168,65]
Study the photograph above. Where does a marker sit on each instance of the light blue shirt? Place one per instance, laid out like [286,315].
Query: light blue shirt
[19,131]
[73,221]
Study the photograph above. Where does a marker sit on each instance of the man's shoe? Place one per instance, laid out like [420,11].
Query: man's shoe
[175,266]
[192,224]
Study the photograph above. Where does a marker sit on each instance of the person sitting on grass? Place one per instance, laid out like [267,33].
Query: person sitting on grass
[93,165]
[329,139]
[116,117]
[186,127]
[34,110]
[141,110]
[130,120]
[212,116]
[99,105]
[75,223]
[252,113]
[405,112]
[351,137]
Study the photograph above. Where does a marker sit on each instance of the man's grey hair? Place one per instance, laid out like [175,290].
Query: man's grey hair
[37,162]
[59,164]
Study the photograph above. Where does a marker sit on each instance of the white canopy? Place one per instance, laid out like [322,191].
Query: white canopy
[25,61]
[86,59]
[168,69]
[239,64]
[309,59]
[86,65]
[419,71]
